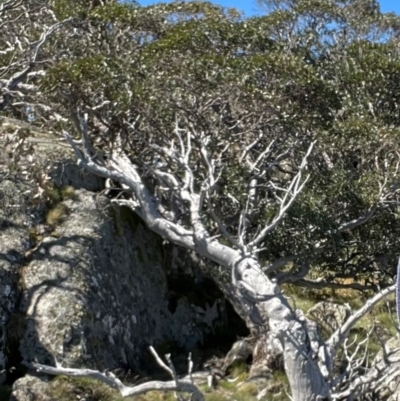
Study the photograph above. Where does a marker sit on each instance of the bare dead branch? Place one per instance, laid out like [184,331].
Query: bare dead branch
[354,361]
[294,189]
[341,333]
[17,80]
[358,221]
[108,378]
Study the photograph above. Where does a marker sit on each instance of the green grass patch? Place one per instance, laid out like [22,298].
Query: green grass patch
[154,396]
[56,215]
[215,396]
[64,388]
[244,397]
[67,192]
[238,368]
[227,385]
[248,388]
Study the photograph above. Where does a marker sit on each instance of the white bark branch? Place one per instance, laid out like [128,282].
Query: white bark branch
[294,189]
[361,384]
[17,80]
[183,385]
[342,332]
[358,221]
[122,170]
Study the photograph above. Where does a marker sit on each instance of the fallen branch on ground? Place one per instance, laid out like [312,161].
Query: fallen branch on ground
[182,385]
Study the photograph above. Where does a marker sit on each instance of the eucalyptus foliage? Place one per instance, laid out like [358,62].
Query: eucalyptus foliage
[310,70]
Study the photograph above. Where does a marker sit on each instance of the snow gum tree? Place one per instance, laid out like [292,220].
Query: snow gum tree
[267,146]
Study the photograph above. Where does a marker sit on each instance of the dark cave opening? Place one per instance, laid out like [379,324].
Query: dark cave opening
[228,328]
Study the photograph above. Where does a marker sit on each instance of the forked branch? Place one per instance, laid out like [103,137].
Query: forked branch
[291,193]
[120,169]
[341,333]
[108,378]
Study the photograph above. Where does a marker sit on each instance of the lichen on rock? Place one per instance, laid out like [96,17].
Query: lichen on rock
[89,288]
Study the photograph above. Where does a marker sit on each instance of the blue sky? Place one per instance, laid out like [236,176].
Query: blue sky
[250,7]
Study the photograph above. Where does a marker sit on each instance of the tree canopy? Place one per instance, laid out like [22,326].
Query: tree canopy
[258,91]
[267,145]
